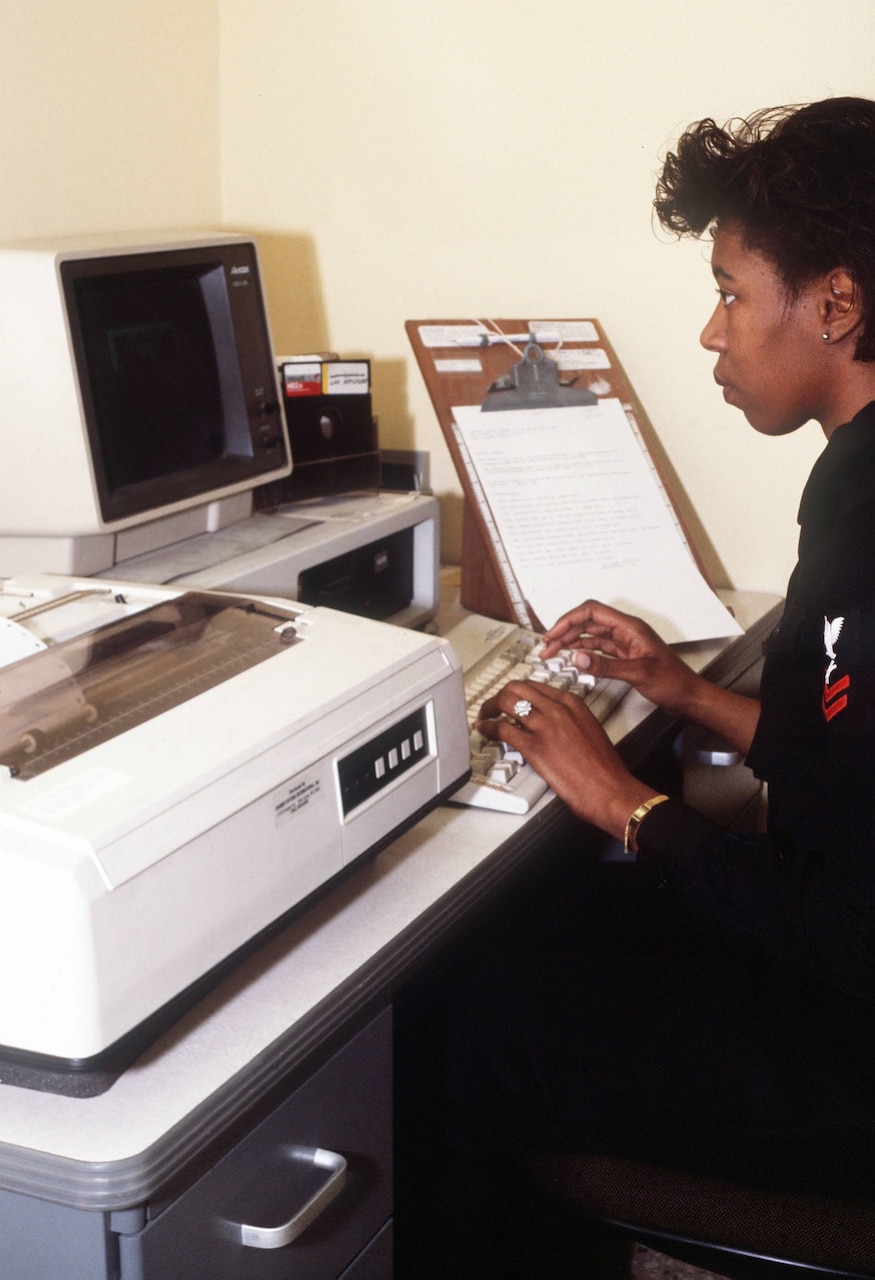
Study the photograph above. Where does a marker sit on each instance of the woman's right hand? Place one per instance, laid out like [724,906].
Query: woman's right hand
[615,645]
[618,646]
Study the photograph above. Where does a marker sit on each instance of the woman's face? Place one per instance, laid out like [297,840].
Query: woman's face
[768,361]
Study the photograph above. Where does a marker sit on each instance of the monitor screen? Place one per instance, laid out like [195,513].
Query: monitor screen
[153,372]
[175,374]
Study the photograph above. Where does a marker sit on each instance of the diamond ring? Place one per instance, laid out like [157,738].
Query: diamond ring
[521,708]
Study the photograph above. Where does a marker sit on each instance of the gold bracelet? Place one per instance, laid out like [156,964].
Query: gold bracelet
[636,818]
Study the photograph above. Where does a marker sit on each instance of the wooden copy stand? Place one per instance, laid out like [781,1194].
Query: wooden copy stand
[484,586]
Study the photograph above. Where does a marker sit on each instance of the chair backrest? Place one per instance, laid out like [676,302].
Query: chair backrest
[745,1232]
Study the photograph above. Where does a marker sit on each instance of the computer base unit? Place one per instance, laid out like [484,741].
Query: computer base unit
[375,554]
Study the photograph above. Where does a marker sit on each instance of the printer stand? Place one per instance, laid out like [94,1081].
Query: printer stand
[193,1232]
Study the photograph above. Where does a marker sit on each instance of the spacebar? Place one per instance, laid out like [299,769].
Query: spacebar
[480,793]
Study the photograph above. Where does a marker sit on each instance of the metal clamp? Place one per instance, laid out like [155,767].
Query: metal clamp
[534,383]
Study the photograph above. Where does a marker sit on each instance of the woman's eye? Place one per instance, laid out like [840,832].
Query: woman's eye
[726,297]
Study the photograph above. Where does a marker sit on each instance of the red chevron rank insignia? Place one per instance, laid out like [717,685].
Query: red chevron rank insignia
[835,697]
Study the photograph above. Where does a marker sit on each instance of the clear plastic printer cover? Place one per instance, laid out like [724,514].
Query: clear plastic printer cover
[86,690]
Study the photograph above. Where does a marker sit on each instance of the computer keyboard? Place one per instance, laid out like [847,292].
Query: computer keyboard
[491,653]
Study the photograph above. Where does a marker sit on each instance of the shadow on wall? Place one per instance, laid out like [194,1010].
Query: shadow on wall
[290,271]
[299,326]
[397,430]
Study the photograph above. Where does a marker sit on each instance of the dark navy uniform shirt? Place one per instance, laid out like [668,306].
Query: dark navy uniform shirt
[802,896]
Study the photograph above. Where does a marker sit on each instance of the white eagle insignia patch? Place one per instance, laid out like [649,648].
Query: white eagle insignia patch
[835,695]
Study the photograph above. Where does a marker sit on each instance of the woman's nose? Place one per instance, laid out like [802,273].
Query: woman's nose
[713,336]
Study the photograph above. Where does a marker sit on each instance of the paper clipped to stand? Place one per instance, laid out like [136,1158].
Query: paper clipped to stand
[581,514]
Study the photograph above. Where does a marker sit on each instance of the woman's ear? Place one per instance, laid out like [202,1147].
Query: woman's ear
[841,310]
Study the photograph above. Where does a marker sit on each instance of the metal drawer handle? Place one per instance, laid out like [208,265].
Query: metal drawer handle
[277,1237]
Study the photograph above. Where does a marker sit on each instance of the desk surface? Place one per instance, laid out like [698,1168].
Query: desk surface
[293,1000]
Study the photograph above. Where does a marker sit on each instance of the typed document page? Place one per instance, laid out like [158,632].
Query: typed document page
[582,514]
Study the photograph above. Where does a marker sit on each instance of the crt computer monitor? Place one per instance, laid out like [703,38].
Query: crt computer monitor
[138,396]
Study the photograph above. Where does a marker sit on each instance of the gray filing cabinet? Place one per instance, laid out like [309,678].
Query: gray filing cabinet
[328,1144]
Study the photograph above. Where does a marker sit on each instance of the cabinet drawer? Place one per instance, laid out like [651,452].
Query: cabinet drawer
[377,1261]
[343,1113]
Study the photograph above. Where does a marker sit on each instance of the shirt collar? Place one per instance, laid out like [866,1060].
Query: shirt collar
[841,460]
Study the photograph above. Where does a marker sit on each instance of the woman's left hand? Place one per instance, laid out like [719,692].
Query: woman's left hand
[562,740]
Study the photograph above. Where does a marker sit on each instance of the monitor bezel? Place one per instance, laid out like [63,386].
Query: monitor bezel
[232,471]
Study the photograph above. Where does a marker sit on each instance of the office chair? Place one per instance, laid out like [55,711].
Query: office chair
[743,1232]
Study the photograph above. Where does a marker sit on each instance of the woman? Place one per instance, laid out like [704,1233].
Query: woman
[791,199]
[731,1028]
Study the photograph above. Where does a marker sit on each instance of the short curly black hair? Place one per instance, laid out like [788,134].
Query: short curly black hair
[799,183]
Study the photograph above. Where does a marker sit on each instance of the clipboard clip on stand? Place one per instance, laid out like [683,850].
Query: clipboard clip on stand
[534,383]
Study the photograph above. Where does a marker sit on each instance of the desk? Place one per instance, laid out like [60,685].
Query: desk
[104,1188]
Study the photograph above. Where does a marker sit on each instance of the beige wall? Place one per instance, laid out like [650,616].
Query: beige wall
[406,158]
[471,157]
[108,115]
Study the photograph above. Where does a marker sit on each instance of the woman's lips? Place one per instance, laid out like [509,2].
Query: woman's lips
[726,387]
